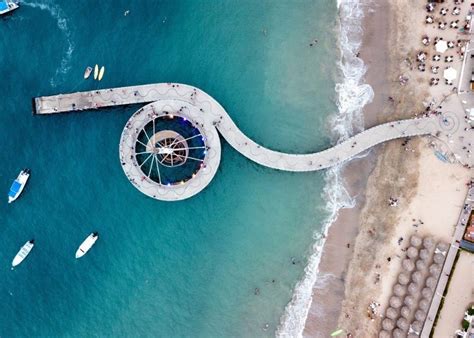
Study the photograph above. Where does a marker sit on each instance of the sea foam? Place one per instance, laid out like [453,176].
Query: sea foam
[352,96]
[57,13]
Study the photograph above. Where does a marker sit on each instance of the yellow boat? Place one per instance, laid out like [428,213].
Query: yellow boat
[101,73]
[96,72]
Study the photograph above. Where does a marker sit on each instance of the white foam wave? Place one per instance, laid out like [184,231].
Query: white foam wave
[57,13]
[353,95]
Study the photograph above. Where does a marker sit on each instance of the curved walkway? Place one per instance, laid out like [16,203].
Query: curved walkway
[210,116]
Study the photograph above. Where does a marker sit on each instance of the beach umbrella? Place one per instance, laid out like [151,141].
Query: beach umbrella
[415,241]
[431,283]
[421,56]
[412,252]
[391,313]
[453,24]
[428,243]
[384,334]
[435,270]
[405,311]
[425,40]
[403,278]
[388,324]
[441,46]
[438,258]
[416,326]
[420,315]
[417,277]
[450,44]
[450,74]
[408,265]
[395,302]
[420,265]
[449,58]
[424,254]
[399,290]
[398,333]
[402,323]
[413,288]
[427,293]
[409,301]
[429,19]
[436,57]
[443,247]
[424,305]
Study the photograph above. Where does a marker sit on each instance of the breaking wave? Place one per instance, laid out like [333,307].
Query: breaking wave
[352,96]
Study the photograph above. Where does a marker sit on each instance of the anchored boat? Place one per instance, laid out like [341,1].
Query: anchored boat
[7,6]
[87,244]
[24,251]
[88,72]
[18,185]
[101,73]
[96,71]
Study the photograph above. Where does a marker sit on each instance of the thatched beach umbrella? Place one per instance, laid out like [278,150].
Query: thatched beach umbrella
[398,333]
[428,243]
[405,311]
[395,302]
[402,323]
[417,277]
[435,270]
[420,315]
[412,252]
[408,265]
[403,278]
[424,254]
[415,241]
[384,334]
[413,288]
[427,293]
[399,290]
[438,258]
[409,301]
[443,247]
[416,326]
[421,265]
[388,324]
[424,305]
[431,282]
[391,313]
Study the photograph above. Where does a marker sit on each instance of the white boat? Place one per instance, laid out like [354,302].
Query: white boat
[87,244]
[88,72]
[24,251]
[18,185]
[101,73]
[7,6]
[96,71]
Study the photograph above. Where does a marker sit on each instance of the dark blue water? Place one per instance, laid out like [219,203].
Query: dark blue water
[170,269]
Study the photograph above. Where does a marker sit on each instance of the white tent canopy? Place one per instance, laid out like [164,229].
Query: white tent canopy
[441,46]
[450,73]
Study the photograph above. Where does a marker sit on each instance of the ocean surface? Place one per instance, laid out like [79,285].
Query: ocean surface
[223,263]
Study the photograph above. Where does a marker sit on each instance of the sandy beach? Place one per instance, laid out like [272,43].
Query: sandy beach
[364,248]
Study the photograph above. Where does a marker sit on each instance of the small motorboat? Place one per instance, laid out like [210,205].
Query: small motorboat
[24,251]
[87,244]
[96,72]
[88,72]
[18,185]
[7,6]
[101,73]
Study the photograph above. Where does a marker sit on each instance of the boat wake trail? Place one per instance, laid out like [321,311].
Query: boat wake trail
[57,13]
[353,95]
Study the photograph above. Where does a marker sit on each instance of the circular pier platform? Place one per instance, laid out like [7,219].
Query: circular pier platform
[168,151]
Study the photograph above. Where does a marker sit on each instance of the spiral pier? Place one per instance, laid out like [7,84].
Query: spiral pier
[200,114]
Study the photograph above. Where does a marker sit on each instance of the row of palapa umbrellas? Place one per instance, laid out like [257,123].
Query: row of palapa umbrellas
[397,315]
[441,46]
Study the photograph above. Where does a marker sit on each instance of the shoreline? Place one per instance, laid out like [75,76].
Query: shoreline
[329,289]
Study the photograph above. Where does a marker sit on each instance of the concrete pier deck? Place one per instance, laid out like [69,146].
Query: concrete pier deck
[447,128]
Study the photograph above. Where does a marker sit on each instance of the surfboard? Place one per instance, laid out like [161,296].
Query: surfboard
[101,73]
[96,72]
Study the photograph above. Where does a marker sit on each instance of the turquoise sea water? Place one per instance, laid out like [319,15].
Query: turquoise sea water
[170,269]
